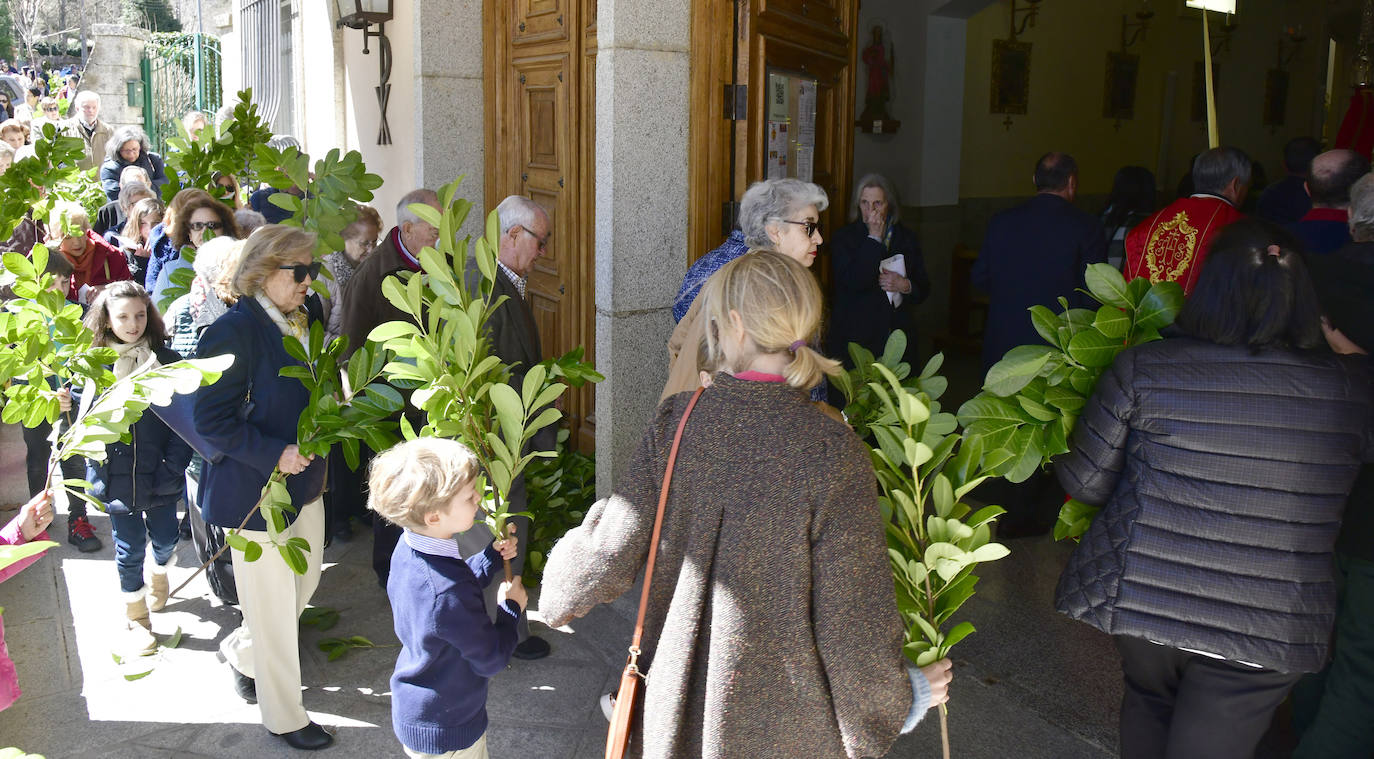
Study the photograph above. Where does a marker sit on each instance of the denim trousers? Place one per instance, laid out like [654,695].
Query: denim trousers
[131,533]
[1333,711]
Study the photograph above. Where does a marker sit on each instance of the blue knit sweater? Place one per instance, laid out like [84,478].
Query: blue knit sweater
[449,646]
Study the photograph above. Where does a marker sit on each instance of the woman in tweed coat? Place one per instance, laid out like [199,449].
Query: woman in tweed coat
[772,628]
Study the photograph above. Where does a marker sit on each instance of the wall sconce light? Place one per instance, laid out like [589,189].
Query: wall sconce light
[1027,13]
[1290,45]
[1221,39]
[362,14]
[1134,31]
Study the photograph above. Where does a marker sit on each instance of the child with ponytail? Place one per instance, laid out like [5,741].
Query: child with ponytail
[139,481]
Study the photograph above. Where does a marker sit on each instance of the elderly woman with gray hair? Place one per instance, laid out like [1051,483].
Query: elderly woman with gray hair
[128,146]
[781,215]
[879,275]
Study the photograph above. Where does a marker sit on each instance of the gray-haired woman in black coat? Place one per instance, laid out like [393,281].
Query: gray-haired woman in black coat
[1221,460]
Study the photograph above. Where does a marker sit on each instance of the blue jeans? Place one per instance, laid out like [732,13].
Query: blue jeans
[131,533]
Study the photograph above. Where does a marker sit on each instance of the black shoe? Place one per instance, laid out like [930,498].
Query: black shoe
[312,737]
[81,534]
[184,529]
[532,648]
[244,686]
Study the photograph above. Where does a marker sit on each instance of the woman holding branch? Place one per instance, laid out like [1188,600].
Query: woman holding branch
[771,575]
[251,415]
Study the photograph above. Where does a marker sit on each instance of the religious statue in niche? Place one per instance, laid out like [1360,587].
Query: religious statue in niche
[881,61]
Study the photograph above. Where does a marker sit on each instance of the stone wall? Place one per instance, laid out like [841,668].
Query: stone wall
[116,51]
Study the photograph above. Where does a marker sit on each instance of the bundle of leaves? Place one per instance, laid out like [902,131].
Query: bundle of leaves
[348,404]
[49,347]
[935,540]
[560,489]
[227,149]
[445,358]
[1031,399]
[329,194]
[863,402]
[43,180]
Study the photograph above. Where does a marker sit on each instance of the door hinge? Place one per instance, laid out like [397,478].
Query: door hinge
[729,211]
[736,102]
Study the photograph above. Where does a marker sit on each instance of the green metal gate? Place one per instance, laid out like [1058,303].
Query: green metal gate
[181,72]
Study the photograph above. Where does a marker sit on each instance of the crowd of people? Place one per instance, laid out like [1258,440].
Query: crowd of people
[1230,460]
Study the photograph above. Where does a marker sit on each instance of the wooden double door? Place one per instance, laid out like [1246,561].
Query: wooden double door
[540,59]
[750,43]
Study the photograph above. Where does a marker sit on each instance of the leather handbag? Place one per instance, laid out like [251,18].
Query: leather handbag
[626,699]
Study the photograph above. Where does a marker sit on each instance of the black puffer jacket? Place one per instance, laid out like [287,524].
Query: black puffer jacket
[146,472]
[1222,475]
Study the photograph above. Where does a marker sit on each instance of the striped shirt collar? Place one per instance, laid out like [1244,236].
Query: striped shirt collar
[433,546]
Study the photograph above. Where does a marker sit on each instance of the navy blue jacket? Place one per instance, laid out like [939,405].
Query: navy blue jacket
[251,444]
[1033,254]
[1284,201]
[1322,230]
[147,472]
[449,647]
[1222,473]
[862,313]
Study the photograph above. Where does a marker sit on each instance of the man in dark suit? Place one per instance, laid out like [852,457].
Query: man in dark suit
[1325,228]
[525,233]
[1033,254]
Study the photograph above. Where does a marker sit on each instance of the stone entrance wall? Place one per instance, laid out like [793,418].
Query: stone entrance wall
[116,51]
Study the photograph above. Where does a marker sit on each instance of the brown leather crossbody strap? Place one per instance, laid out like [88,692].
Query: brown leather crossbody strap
[658,520]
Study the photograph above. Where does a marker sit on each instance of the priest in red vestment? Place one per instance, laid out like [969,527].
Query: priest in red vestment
[1172,245]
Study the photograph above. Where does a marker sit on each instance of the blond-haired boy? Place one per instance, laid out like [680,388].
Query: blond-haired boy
[450,648]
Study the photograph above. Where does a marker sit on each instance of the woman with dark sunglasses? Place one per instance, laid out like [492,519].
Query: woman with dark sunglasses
[6,107]
[197,218]
[250,415]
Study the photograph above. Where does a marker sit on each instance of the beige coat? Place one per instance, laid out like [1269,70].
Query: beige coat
[683,346]
[95,141]
[772,627]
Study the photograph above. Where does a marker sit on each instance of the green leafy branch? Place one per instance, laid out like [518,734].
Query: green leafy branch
[935,540]
[227,149]
[24,187]
[49,347]
[444,356]
[1032,397]
[347,405]
[323,201]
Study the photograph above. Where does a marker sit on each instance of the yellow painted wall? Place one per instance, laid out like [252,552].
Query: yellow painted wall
[1068,70]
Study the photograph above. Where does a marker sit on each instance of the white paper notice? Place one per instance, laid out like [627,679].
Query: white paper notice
[805,157]
[897,265]
[778,104]
[806,114]
[777,150]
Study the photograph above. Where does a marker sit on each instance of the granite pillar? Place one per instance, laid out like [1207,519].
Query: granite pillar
[116,52]
[642,80]
[449,102]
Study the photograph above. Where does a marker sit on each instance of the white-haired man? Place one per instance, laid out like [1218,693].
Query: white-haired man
[86,124]
[514,337]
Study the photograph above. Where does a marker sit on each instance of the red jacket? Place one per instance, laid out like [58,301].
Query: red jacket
[106,265]
[1172,244]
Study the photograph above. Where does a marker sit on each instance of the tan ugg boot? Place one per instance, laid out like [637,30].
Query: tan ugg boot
[140,628]
[157,596]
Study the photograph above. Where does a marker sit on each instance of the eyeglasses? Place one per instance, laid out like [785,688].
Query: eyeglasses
[52,108]
[543,241]
[301,271]
[201,226]
[811,227]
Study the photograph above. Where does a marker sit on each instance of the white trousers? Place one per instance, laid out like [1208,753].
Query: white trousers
[266,647]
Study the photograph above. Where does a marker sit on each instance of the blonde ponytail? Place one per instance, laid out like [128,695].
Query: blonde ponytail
[779,305]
